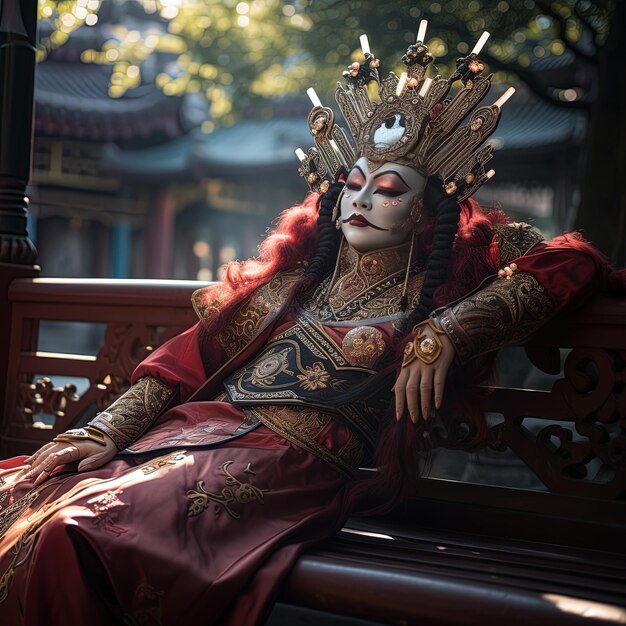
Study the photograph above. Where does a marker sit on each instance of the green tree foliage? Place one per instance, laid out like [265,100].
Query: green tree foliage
[243,53]
[523,32]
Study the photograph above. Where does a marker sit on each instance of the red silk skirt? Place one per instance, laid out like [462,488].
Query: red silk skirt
[197,537]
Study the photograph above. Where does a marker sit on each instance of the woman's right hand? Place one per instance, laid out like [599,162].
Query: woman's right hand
[89,452]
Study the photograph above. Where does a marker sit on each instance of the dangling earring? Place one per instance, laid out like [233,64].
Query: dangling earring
[417,208]
[404,300]
[336,208]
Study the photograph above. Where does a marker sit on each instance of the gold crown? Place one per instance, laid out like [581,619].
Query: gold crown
[416,122]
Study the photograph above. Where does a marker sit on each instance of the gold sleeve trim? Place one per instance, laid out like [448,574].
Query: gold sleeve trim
[504,312]
[515,240]
[134,411]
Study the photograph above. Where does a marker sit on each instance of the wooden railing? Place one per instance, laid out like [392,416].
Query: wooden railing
[139,316]
[579,450]
[588,401]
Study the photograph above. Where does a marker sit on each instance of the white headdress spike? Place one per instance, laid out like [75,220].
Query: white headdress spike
[401,84]
[480,43]
[425,87]
[365,45]
[421,33]
[314,99]
[504,97]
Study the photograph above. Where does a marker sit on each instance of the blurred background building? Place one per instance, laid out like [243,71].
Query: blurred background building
[135,176]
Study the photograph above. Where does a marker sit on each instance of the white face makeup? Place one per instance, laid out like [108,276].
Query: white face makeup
[374,202]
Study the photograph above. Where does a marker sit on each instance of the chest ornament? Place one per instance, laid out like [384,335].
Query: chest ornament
[363,346]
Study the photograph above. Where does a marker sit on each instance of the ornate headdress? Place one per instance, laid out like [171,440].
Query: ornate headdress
[415,123]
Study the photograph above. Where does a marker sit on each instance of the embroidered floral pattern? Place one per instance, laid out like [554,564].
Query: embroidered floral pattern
[101,507]
[168,459]
[234,491]
[314,377]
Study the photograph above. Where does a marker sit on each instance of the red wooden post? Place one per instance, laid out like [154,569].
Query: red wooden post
[159,239]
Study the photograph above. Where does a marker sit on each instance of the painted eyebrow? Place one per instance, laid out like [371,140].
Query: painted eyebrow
[392,172]
[356,167]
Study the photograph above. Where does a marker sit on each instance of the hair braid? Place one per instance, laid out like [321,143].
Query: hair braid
[327,249]
[447,211]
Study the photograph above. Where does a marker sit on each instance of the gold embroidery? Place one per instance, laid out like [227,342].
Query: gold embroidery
[363,345]
[502,313]
[9,515]
[515,240]
[370,286]
[244,326]
[206,301]
[251,317]
[5,581]
[301,426]
[284,357]
[234,491]
[168,459]
[309,422]
[314,377]
[134,411]
[265,371]
[27,539]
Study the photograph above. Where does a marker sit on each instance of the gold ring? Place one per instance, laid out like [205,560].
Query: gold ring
[426,349]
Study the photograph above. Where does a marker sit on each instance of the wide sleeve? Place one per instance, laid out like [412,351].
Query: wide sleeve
[180,363]
[531,288]
[166,378]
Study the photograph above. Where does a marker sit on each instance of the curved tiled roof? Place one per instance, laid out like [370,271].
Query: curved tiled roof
[72,101]
[528,124]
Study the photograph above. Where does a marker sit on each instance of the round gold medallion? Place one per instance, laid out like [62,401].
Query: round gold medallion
[363,346]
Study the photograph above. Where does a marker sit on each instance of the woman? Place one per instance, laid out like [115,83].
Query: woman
[237,445]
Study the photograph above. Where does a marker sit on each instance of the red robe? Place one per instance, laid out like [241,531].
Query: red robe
[191,535]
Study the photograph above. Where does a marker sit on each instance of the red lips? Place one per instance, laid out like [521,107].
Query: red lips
[357,220]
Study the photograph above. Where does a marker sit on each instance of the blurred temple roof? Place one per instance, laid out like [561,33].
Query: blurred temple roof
[73,102]
[146,135]
[529,131]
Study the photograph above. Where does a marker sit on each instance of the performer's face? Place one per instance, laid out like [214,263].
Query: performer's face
[376,206]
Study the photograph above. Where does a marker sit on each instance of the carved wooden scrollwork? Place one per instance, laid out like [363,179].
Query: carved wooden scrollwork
[125,346]
[42,397]
[584,453]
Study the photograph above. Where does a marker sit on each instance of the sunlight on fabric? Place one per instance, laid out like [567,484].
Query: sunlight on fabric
[587,608]
[365,533]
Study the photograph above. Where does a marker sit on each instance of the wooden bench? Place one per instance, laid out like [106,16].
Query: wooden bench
[457,553]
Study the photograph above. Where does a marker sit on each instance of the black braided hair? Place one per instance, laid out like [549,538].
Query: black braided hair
[447,213]
[325,255]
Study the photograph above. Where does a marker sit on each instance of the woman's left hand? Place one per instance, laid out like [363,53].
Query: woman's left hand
[419,383]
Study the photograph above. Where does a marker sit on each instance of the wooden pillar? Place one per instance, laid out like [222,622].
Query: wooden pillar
[160,235]
[18,26]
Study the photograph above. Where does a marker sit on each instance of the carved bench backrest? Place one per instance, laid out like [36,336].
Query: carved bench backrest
[578,451]
[139,316]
